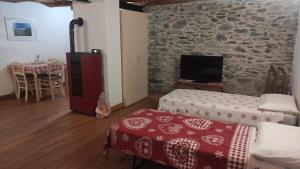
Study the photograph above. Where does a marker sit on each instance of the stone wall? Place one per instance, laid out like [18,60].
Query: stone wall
[250,34]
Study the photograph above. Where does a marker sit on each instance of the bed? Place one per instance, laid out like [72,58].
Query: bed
[185,142]
[221,106]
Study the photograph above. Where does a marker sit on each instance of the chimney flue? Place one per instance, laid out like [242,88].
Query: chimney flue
[79,22]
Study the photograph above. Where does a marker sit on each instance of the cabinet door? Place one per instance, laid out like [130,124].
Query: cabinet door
[134,32]
[142,61]
[128,55]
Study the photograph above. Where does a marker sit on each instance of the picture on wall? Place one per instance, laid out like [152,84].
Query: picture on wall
[20,29]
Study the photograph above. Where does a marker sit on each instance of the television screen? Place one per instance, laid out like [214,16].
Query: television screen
[201,69]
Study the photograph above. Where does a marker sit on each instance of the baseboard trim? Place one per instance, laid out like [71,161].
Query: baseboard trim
[117,107]
[7,96]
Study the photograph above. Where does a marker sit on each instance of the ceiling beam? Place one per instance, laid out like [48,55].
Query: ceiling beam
[59,3]
[53,3]
[167,2]
[155,2]
[50,3]
[132,7]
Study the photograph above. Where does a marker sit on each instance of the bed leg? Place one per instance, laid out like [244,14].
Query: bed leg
[134,161]
[135,165]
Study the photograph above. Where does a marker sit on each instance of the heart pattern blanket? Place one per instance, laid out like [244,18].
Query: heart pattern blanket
[180,141]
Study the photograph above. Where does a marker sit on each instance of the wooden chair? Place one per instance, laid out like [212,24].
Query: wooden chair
[59,60]
[23,81]
[54,79]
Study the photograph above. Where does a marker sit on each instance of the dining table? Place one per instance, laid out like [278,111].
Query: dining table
[37,69]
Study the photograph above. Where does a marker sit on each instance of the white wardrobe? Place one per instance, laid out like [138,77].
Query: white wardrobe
[134,39]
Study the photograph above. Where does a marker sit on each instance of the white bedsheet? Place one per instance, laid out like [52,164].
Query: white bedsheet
[217,106]
[254,163]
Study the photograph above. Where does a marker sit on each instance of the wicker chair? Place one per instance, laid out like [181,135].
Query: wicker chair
[271,80]
[282,81]
[276,81]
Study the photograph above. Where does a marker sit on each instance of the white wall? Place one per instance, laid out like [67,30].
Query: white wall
[296,67]
[113,50]
[52,36]
[101,30]
[92,33]
[296,70]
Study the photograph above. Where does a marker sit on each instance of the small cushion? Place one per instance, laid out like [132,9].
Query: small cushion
[278,144]
[278,103]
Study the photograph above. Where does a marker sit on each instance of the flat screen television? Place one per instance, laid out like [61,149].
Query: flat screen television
[201,69]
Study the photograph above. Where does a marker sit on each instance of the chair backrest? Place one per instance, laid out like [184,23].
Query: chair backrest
[271,81]
[53,60]
[55,68]
[277,81]
[282,81]
[18,70]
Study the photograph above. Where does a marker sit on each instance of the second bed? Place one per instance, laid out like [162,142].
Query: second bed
[221,106]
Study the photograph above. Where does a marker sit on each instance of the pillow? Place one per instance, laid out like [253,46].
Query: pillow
[278,103]
[278,144]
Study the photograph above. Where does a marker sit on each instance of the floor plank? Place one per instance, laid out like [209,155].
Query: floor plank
[46,135]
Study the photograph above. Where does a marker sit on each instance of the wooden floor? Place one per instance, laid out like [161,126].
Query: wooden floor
[46,135]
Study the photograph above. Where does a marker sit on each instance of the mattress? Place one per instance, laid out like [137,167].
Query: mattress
[221,106]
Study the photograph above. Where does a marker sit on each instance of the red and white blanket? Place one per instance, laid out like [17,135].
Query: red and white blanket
[180,141]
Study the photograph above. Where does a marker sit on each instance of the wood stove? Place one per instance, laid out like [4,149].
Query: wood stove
[85,76]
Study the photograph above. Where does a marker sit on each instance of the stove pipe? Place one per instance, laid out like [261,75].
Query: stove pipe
[79,22]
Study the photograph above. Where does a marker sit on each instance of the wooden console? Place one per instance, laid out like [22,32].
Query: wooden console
[187,84]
